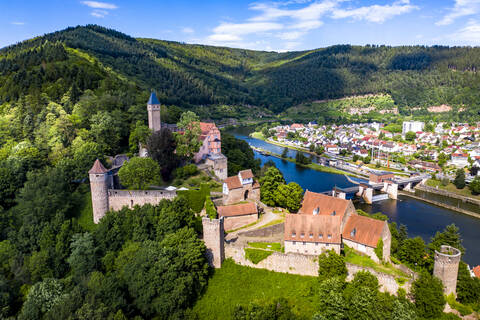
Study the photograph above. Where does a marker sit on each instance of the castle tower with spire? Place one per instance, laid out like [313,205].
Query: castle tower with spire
[100,182]
[153,107]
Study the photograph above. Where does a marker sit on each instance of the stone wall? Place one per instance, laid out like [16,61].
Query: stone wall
[237,195]
[279,262]
[369,251]
[239,221]
[304,265]
[117,199]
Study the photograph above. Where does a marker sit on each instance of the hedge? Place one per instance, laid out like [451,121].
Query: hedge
[210,208]
[196,198]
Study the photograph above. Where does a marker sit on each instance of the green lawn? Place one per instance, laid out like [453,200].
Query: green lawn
[256,255]
[85,215]
[451,188]
[274,246]
[233,284]
[351,256]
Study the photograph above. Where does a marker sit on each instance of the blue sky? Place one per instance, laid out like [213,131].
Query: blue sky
[264,25]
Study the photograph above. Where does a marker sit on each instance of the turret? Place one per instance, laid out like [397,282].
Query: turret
[100,181]
[213,236]
[153,108]
[446,267]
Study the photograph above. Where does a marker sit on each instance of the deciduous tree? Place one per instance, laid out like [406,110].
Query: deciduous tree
[139,173]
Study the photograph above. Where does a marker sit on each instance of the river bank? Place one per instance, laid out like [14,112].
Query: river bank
[440,204]
[313,166]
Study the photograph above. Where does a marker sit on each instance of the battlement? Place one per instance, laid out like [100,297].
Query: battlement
[446,267]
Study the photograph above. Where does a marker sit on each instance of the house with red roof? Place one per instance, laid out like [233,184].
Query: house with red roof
[238,215]
[241,187]
[326,223]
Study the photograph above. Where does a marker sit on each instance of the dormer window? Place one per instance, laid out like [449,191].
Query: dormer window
[329,236]
[320,236]
[294,234]
[311,235]
[353,233]
[316,211]
[302,235]
[334,213]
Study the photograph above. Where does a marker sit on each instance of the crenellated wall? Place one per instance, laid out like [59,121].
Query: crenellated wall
[117,199]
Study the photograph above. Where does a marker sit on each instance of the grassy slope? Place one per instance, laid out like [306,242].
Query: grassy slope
[451,188]
[233,284]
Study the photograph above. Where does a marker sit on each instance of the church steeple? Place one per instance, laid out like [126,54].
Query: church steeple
[153,108]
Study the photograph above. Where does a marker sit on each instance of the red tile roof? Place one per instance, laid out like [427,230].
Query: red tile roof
[97,168]
[237,209]
[326,204]
[246,174]
[302,227]
[233,182]
[363,230]
[476,271]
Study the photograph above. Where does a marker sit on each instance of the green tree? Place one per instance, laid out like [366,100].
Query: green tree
[330,264]
[161,147]
[300,158]
[468,287]
[379,249]
[269,184]
[106,131]
[41,298]
[139,173]
[412,251]
[427,291]
[474,186]
[285,152]
[403,311]
[188,142]
[410,136]
[138,135]
[210,208]
[278,309]
[289,196]
[449,236]
[331,302]
[459,181]
[82,260]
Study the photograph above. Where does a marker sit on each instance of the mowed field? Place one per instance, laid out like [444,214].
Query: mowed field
[234,285]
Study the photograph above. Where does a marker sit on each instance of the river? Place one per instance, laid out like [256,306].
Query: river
[421,218]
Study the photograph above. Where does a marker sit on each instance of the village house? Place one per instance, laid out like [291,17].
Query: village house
[459,160]
[211,141]
[325,223]
[241,187]
[238,215]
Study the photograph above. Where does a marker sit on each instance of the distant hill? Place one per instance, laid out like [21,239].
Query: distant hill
[74,60]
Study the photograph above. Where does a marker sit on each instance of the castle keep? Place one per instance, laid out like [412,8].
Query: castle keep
[446,267]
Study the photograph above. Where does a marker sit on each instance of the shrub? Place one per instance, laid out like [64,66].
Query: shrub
[256,255]
[186,171]
[463,309]
[210,208]
[330,264]
[379,249]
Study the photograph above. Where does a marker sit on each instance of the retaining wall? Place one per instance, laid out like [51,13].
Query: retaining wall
[304,265]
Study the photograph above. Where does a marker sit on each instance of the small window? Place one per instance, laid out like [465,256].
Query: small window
[304,243]
[316,244]
[294,242]
[327,244]
[294,234]
[329,236]
[302,235]
[311,235]
[320,236]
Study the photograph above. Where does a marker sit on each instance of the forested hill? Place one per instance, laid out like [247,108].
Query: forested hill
[103,60]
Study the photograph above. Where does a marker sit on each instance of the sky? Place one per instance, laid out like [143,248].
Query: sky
[284,25]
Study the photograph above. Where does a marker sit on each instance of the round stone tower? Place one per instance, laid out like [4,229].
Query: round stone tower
[99,184]
[446,267]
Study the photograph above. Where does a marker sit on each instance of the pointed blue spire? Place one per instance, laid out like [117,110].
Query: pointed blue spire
[153,99]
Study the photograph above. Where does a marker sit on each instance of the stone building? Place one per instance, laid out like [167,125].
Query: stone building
[105,197]
[211,141]
[238,215]
[324,222]
[219,164]
[240,188]
[446,267]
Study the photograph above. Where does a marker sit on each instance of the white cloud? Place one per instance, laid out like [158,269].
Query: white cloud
[469,34]
[462,8]
[18,23]
[375,13]
[290,20]
[188,30]
[99,13]
[99,5]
